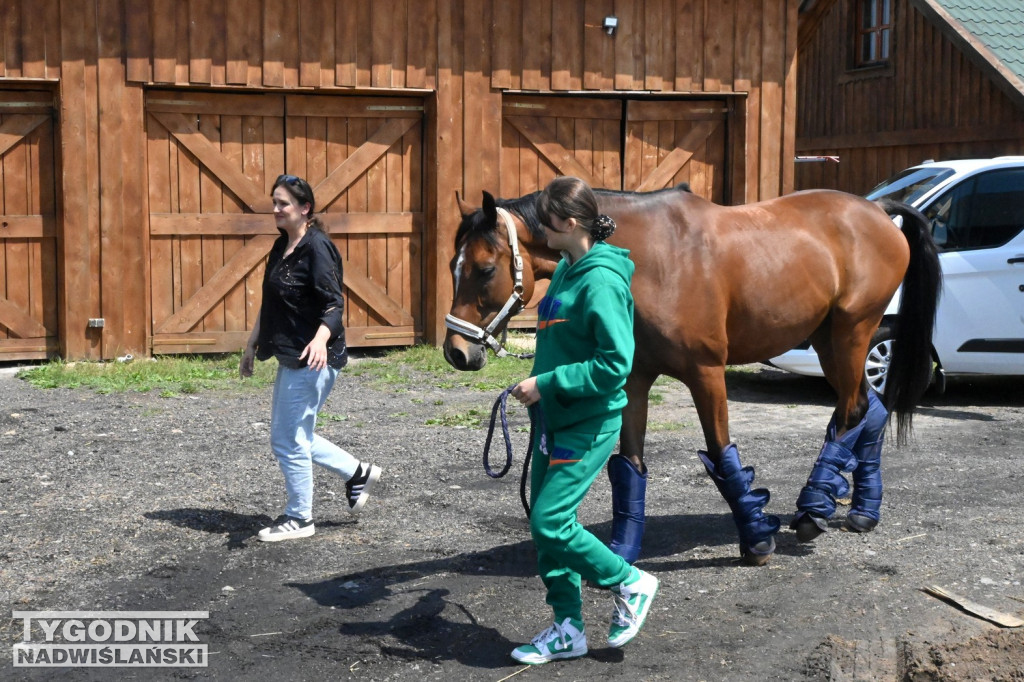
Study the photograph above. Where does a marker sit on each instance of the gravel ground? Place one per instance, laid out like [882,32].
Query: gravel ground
[137,502]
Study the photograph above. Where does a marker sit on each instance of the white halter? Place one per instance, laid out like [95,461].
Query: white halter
[512,306]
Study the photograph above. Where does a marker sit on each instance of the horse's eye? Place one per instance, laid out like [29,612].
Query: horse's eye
[487,273]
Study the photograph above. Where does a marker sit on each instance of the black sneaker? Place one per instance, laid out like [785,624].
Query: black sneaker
[287,528]
[358,487]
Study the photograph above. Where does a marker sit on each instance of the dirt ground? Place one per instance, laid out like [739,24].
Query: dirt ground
[137,502]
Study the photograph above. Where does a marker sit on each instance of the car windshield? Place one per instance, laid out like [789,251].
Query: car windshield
[910,185]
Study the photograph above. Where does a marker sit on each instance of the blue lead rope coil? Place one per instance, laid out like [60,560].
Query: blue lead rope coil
[500,407]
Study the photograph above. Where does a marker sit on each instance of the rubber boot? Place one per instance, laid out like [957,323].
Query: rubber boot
[756,529]
[865,508]
[629,489]
[817,501]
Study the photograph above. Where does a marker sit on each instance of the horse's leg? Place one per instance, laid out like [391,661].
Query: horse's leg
[853,439]
[627,472]
[722,461]
[864,412]
[865,508]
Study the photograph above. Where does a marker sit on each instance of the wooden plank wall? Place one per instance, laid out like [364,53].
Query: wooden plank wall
[460,54]
[933,103]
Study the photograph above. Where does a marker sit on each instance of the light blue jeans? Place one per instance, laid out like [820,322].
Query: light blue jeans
[298,396]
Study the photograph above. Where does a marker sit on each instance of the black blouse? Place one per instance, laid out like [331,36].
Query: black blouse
[301,292]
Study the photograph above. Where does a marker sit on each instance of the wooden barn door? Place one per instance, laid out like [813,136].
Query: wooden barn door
[543,137]
[364,158]
[665,143]
[213,159]
[672,142]
[28,227]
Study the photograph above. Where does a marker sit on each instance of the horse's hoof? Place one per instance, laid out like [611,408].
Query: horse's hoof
[759,554]
[858,523]
[808,527]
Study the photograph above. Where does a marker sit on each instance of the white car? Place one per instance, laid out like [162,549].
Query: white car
[976,208]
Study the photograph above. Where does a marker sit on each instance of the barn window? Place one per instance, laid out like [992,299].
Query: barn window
[874,32]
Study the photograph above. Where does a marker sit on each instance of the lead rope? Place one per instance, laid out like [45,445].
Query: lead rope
[500,406]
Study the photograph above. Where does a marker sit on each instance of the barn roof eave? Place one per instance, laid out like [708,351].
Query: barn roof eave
[975,47]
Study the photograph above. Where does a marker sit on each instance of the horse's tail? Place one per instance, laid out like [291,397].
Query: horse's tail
[910,368]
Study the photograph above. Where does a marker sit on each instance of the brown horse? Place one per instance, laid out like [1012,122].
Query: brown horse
[717,286]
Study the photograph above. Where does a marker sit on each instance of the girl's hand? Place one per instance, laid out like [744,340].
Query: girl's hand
[526,391]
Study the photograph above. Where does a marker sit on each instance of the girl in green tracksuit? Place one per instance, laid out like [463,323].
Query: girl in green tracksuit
[584,354]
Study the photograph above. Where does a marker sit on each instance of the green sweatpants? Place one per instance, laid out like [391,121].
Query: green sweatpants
[565,549]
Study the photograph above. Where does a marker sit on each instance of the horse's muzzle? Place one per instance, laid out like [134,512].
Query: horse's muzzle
[464,355]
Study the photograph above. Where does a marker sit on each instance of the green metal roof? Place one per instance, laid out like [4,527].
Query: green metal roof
[996,24]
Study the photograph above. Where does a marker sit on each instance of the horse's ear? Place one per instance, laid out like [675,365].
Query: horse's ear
[490,209]
[465,209]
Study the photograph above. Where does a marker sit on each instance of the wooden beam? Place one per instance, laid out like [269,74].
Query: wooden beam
[29,349]
[206,342]
[78,296]
[789,102]
[18,321]
[908,138]
[376,298]
[185,131]
[661,176]
[213,290]
[27,227]
[16,127]
[138,317]
[243,261]
[382,336]
[542,137]
[192,103]
[245,224]
[355,165]
[229,342]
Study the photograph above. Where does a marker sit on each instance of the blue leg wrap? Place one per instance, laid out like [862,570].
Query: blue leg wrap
[629,488]
[867,477]
[747,505]
[826,481]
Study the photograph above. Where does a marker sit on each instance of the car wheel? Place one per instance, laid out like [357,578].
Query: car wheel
[876,365]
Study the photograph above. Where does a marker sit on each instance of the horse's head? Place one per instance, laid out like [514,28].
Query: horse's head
[493,274]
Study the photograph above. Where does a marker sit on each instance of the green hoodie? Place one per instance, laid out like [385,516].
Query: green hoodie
[585,341]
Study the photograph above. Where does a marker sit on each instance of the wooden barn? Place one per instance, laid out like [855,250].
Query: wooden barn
[886,84]
[139,140]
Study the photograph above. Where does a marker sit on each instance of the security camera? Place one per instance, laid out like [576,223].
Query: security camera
[610,24]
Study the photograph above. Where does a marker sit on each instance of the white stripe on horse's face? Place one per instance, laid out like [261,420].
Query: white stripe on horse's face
[458,266]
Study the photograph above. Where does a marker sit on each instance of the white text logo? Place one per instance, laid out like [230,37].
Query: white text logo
[110,639]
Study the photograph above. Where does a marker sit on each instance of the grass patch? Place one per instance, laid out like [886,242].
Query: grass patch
[324,417]
[402,369]
[171,375]
[752,368]
[398,370]
[469,419]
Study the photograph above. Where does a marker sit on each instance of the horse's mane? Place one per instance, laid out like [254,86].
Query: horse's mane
[526,208]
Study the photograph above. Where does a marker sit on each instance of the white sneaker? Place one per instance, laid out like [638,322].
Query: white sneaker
[287,528]
[561,640]
[632,602]
[357,488]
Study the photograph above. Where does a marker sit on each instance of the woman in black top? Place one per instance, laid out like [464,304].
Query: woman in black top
[301,324]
